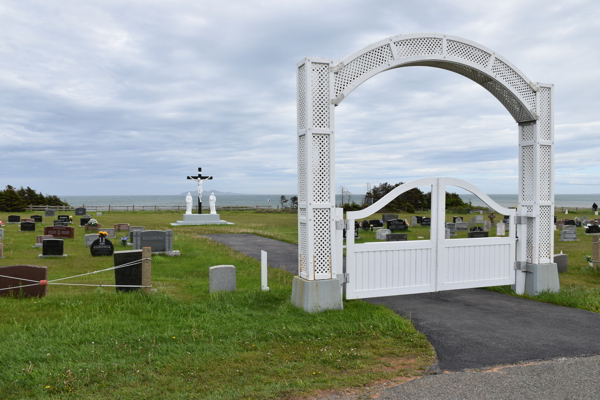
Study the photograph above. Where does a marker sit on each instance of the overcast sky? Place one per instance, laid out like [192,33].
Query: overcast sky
[129,97]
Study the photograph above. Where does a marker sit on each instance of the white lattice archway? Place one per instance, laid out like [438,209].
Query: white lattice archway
[323,84]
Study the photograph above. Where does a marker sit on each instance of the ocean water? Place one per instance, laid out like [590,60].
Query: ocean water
[252,200]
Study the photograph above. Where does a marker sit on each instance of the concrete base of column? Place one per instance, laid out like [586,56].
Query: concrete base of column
[540,278]
[316,296]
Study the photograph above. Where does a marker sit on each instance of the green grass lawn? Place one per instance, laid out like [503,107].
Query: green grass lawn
[182,342]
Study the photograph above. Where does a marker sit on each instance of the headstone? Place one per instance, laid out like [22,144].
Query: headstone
[397,237]
[426,221]
[1,250]
[130,275]
[448,234]
[592,230]
[387,217]
[419,220]
[62,232]
[451,226]
[570,227]
[413,221]
[221,278]
[380,234]
[37,218]
[568,234]
[365,225]
[133,229]
[462,226]
[49,213]
[562,261]
[28,272]
[555,219]
[491,217]
[27,226]
[14,219]
[53,248]
[80,211]
[63,218]
[159,241]
[89,239]
[111,233]
[2,233]
[578,222]
[500,229]
[98,214]
[476,229]
[121,227]
[458,219]
[27,220]
[84,220]
[560,225]
[570,222]
[477,234]
[375,223]
[506,219]
[479,219]
[102,247]
[60,223]
[487,225]
[39,240]
[566,211]
[397,225]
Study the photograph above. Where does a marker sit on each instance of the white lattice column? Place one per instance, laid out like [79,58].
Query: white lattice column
[536,191]
[316,169]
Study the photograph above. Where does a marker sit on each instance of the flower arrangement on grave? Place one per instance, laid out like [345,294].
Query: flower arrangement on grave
[92,222]
[124,240]
[102,234]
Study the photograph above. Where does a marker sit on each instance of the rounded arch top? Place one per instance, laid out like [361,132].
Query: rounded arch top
[476,62]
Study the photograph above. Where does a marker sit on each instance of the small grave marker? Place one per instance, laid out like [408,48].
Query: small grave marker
[500,229]
[221,278]
[39,240]
[562,261]
[479,219]
[381,234]
[414,221]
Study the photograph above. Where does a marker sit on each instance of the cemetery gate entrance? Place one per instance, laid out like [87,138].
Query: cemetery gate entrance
[392,268]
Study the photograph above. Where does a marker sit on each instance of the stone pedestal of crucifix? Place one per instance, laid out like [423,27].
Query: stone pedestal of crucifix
[201,219]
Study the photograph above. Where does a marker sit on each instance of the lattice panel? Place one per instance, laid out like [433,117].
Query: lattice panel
[303,213]
[527,132]
[467,52]
[302,169]
[319,84]
[545,173]
[512,104]
[545,114]
[303,251]
[302,97]
[418,47]
[321,169]
[527,173]
[360,66]
[529,235]
[322,240]
[513,79]
[545,236]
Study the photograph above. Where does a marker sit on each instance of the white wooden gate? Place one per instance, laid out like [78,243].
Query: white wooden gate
[418,266]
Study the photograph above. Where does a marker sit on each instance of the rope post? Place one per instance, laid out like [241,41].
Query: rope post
[596,253]
[147,269]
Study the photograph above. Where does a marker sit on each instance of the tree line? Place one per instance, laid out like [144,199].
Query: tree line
[18,200]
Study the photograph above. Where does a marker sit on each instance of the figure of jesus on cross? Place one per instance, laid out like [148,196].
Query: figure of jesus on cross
[200,186]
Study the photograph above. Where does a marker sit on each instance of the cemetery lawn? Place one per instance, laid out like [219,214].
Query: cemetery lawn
[182,342]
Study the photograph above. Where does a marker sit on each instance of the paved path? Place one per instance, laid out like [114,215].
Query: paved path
[469,328]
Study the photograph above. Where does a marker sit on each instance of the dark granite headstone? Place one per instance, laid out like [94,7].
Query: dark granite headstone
[60,223]
[80,211]
[37,218]
[28,226]
[570,222]
[387,217]
[426,222]
[592,229]
[14,219]
[64,232]
[562,261]
[131,275]
[53,247]
[84,220]
[478,234]
[365,225]
[419,220]
[30,272]
[49,213]
[555,219]
[102,247]
[396,237]
[506,219]
[396,225]
[476,229]
[376,223]
[63,218]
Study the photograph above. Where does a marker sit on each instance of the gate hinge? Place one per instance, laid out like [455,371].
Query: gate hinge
[521,220]
[344,278]
[520,265]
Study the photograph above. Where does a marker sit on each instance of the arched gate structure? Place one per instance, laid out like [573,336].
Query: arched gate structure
[323,84]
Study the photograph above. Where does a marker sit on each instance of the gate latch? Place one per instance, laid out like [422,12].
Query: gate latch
[520,265]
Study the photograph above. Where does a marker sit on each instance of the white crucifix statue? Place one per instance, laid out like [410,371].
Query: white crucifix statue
[200,186]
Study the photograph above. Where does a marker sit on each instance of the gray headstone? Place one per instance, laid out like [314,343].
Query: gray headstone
[462,226]
[89,239]
[380,234]
[451,226]
[159,241]
[487,225]
[111,232]
[500,229]
[414,221]
[458,219]
[568,235]
[80,211]
[133,229]
[562,261]
[2,233]
[448,233]
[387,217]
[98,214]
[570,228]
[396,237]
[221,278]
[49,213]
[479,219]
[478,234]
